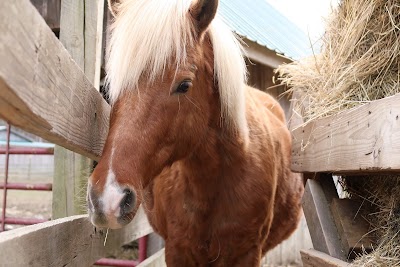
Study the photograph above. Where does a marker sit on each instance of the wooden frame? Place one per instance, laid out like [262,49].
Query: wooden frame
[363,139]
[42,90]
[314,258]
[71,241]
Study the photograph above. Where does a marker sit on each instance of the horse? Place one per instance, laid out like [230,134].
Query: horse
[207,156]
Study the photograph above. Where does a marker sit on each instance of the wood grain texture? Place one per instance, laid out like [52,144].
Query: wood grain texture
[79,29]
[71,241]
[365,139]
[94,21]
[314,258]
[324,234]
[42,89]
[157,260]
[352,228]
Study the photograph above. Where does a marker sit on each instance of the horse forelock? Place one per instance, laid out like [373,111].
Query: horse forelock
[147,34]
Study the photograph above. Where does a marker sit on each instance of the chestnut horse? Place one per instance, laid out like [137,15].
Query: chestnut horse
[206,156]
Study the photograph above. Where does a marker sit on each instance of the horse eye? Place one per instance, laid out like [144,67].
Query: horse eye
[184,87]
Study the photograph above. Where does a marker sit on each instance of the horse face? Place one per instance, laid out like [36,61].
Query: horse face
[160,122]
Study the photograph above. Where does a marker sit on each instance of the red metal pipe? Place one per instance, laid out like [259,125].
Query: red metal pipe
[23,221]
[27,151]
[142,248]
[116,263]
[3,213]
[20,186]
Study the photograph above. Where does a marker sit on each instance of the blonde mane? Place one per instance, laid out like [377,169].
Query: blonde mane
[146,34]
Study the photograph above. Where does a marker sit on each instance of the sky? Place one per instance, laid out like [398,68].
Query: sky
[306,14]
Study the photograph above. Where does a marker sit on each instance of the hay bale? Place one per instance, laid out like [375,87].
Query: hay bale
[359,61]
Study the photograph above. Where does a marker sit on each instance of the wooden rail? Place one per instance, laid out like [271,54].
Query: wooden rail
[364,139]
[42,90]
[71,241]
[314,258]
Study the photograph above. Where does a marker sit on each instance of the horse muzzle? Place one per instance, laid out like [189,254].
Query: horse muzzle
[113,208]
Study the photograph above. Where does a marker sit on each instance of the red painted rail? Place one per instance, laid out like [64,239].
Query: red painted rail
[7,150]
[21,186]
[27,151]
[116,263]
[22,221]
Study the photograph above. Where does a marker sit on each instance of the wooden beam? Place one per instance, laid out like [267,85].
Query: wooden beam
[323,232]
[42,89]
[314,258]
[157,260]
[363,139]
[71,241]
[263,55]
[81,34]
[352,228]
[94,21]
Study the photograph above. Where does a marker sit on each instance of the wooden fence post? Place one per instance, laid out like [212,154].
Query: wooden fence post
[81,32]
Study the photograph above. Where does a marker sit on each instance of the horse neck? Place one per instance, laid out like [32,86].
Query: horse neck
[215,164]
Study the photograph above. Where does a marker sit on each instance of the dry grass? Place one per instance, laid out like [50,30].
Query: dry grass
[359,61]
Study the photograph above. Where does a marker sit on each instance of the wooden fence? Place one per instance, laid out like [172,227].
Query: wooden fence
[361,141]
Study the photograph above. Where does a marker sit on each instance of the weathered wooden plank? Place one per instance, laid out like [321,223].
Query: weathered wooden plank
[352,228]
[41,88]
[366,138]
[157,260]
[314,258]
[71,170]
[78,33]
[324,234]
[71,241]
[94,21]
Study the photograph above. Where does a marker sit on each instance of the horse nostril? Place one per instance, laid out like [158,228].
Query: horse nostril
[128,202]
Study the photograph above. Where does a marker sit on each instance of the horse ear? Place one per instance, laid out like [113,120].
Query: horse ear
[112,6]
[203,12]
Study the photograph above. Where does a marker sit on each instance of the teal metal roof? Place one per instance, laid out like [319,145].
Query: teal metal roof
[260,22]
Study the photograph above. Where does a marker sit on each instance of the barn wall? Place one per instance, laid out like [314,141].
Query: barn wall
[261,77]
[29,168]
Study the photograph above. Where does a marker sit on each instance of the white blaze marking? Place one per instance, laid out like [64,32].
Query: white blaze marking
[112,196]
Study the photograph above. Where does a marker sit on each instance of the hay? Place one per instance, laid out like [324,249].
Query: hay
[381,198]
[359,61]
